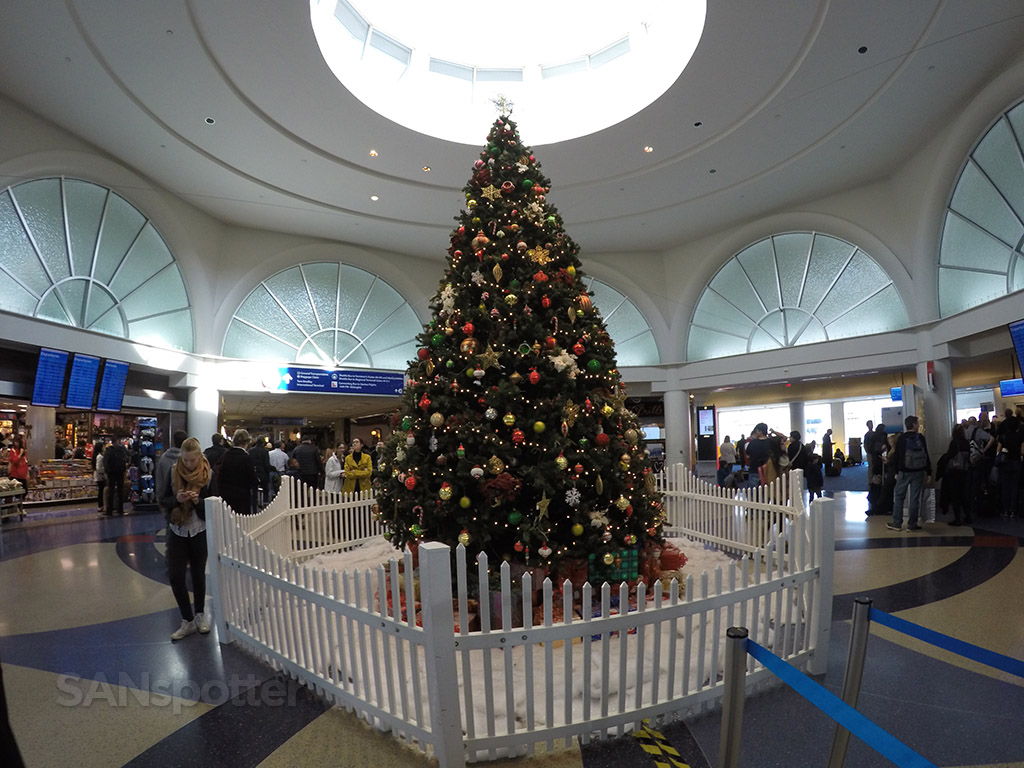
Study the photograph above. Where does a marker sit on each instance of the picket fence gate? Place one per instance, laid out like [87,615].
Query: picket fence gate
[502,663]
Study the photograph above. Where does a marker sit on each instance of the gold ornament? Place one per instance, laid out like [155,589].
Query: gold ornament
[436,419]
[511,299]
[607,410]
[539,256]
[561,462]
[649,482]
[572,315]
[491,192]
[497,273]
[468,346]
[631,436]
[508,419]
[543,504]
[571,412]
[608,558]
[599,485]
[622,502]
[464,538]
[585,302]
[515,377]
[430,367]
[488,358]
[495,465]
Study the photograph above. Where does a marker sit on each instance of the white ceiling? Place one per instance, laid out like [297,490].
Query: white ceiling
[778,107]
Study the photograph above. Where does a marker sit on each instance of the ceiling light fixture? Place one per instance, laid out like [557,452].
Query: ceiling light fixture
[373,153]
[426,169]
[210,121]
[375,198]
[648,149]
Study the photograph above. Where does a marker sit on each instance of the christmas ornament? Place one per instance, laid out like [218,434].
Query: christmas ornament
[460,451]
[416,530]
[464,502]
[630,539]
[518,436]
[577,530]
[539,426]
[490,414]
[437,340]
[423,353]
[608,558]
[593,365]
[464,537]
[406,422]
[578,349]
[561,462]
[602,439]
[544,551]
[468,346]
[410,482]
[468,329]
[476,473]
[518,546]
[622,502]
[607,410]
[436,419]
[508,419]
[534,376]
[572,498]
[631,436]
[578,469]
[446,492]
[410,439]
[495,465]
[514,517]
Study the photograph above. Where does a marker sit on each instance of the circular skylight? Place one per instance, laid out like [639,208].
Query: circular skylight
[569,68]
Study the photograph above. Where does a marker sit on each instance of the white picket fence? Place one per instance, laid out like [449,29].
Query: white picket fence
[406,653]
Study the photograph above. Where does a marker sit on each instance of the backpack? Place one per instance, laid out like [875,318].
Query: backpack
[915,457]
[115,460]
[977,449]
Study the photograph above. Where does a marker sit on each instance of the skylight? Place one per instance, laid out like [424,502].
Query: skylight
[570,68]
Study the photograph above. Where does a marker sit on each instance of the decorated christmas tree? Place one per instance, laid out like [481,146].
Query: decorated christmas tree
[513,437]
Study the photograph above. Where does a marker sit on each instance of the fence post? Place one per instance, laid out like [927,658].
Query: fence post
[854,673]
[214,531]
[732,704]
[439,648]
[824,526]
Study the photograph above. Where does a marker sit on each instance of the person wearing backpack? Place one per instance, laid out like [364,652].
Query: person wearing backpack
[982,441]
[913,466]
[954,478]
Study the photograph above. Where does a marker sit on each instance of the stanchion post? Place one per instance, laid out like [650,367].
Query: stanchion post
[735,691]
[859,634]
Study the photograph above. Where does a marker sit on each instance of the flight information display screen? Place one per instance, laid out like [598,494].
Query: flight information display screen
[50,374]
[115,374]
[82,381]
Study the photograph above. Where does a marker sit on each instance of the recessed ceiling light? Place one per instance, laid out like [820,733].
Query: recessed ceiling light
[373,153]
[862,49]
[648,149]
[210,121]
[375,198]
[713,170]
[698,124]
[426,169]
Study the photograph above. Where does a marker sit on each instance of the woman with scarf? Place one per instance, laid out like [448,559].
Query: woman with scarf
[358,469]
[186,535]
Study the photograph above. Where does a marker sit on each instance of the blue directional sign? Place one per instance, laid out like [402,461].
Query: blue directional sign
[348,382]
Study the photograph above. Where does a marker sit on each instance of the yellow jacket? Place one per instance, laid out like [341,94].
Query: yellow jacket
[357,474]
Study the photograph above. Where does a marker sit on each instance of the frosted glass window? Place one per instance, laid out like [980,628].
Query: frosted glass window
[983,231]
[82,255]
[625,323]
[325,313]
[790,289]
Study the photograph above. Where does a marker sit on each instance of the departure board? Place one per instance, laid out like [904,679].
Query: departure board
[50,373]
[115,374]
[82,381]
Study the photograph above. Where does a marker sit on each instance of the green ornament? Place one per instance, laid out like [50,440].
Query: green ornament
[406,422]
[437,339]
[583,442]
[593,366]
[527,184]
[449,364]
[539,426]
[514,284]
[524,349]
[415,530]
[464,502]
[514,518]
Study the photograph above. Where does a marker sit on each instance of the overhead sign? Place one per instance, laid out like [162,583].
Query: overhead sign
[350,382]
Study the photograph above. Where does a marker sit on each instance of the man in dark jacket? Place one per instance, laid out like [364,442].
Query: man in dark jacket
[913,466]
[309,462]
[214,454]
[261,461]
[236,479]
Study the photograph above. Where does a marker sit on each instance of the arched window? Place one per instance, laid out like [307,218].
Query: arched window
[325,313]
[634,340]
[791,289]
[980,256]
[78,253]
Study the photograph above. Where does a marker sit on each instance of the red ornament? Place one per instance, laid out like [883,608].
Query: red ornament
[534,377]
[518,546]
[423,353]
[549,342]
[410,482]
[629,511]
[578,348]
[602,439]
[518,436]
[545,302]
[540,277]
[579,469]
[424,402]
[468,329]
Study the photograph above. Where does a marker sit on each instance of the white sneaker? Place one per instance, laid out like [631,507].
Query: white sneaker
[186,629]
[202,624]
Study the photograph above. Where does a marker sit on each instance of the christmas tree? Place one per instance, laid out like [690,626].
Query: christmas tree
[513,437]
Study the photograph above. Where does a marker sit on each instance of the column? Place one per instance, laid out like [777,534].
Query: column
[203,413]
[838,426]
[40,423]
[678,430]
[797,419]
[939,405]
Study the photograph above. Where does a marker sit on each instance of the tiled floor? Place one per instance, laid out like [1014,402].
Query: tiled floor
[92,679]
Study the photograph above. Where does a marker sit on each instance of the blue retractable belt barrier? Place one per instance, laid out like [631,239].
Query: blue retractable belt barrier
[857,724]
[959,647]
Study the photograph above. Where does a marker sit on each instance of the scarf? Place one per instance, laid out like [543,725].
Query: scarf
[357,456]
[183,480]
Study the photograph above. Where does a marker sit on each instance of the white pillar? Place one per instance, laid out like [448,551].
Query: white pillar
[797,418]
[40,423]
[838,426]
[203,408]
[678,431]
[939,405]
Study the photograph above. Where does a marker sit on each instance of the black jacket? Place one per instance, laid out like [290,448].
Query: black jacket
[237,481]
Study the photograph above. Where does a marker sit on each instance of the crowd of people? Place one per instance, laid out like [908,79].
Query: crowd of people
[979,474]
